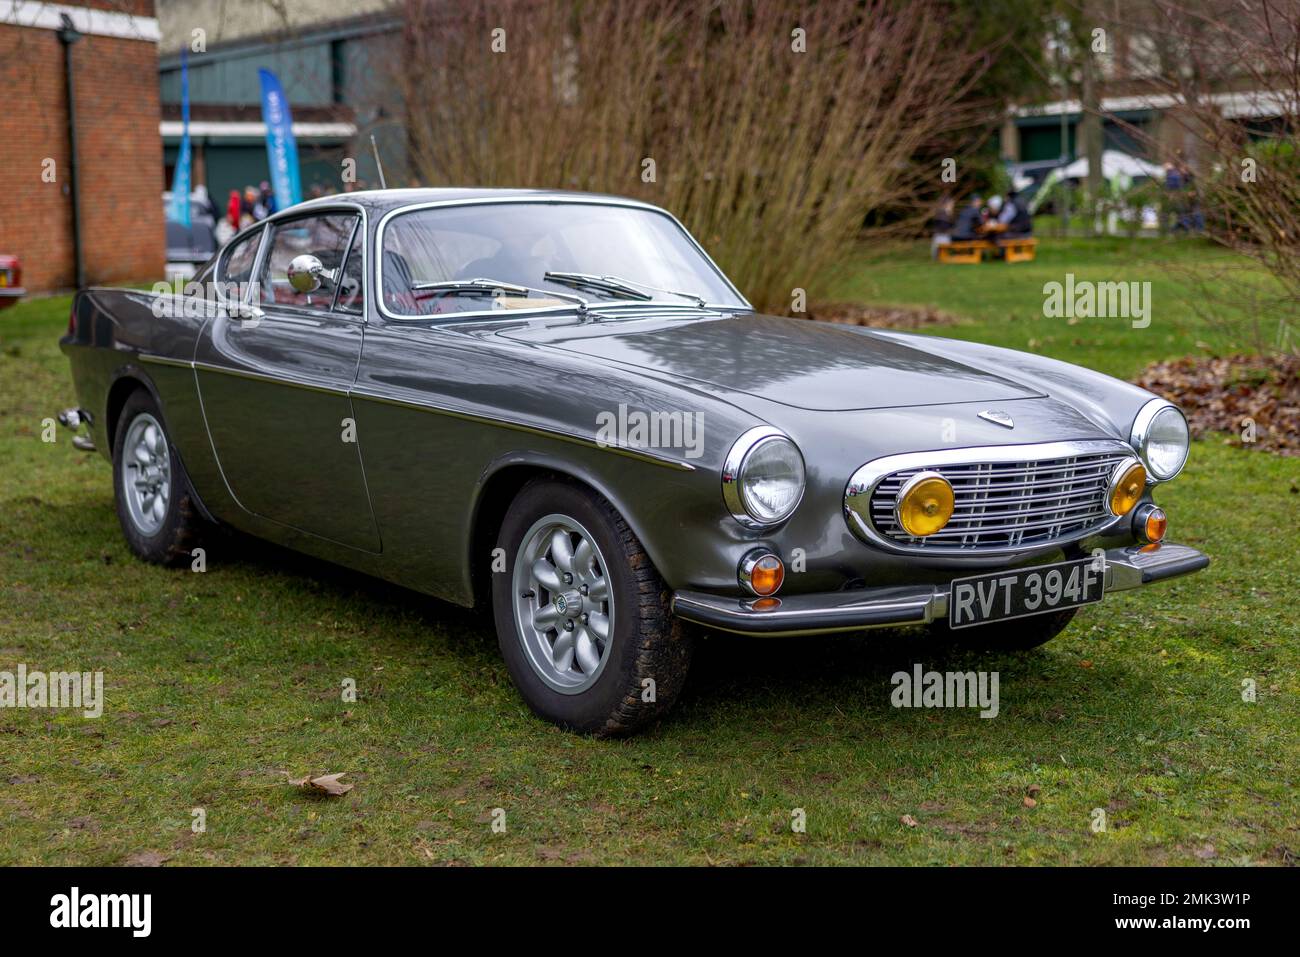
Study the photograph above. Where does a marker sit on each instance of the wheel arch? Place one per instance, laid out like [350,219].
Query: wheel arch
[500,484]
[125,382]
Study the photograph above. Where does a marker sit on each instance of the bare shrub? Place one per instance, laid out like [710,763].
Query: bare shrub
[771,156]
[1232,69]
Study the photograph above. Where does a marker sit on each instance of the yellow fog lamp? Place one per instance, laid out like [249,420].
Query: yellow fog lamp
[1127,483]
[924,504]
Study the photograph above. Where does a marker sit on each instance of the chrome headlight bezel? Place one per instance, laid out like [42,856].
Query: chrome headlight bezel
[1140,436]
[733,476]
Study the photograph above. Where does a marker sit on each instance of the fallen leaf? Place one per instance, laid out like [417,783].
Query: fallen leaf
[880,317]
[324,784]
[908,820]
[1030,802]
[1085,663]
[1256,400]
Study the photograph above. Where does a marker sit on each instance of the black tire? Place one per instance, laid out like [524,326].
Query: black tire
[1018,634]
[646,641]
[179,531]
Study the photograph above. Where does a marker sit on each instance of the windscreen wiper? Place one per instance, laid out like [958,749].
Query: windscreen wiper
[628,287]
[605,283]
[490,287]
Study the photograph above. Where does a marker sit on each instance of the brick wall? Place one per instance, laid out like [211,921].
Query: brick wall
[119,154]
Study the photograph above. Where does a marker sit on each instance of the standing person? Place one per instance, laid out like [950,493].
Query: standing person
[942,225]
[268,198]
[251,210]
[233,209]
[200,193]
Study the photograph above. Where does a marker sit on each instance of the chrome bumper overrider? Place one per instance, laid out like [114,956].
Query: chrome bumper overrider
[1126,568]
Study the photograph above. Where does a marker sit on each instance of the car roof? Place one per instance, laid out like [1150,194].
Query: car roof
[385,199]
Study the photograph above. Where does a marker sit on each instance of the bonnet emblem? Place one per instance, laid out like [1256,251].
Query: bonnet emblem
[998,417]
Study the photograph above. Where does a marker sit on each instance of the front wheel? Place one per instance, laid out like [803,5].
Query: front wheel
[582,616]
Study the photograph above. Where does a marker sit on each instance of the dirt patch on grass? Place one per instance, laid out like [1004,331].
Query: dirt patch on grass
[1256,399]
[881,317]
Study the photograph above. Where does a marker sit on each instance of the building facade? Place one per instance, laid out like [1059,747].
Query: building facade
[1141,112]
[331,70]
[116,171]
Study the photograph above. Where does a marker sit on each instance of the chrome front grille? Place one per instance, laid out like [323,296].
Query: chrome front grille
[1006,498]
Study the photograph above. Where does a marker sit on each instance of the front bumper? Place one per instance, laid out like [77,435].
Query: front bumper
[855,610]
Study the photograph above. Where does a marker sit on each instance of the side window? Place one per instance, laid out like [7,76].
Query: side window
[237,265]
[351,289]
[324,237]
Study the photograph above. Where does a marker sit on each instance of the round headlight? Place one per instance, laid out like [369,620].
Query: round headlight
[1161,439]
[763,477]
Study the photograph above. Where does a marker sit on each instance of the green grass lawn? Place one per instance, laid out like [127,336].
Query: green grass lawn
[1004,303]
[221,686]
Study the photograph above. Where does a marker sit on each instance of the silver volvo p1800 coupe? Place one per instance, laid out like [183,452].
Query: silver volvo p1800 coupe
[555,405]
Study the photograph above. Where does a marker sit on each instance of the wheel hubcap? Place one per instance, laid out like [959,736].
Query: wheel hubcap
[146,473]
[563,612]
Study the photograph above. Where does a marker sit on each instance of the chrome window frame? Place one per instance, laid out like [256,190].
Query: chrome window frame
[540,310]
[302,212]
[224,253]
[358,229]
[861,487]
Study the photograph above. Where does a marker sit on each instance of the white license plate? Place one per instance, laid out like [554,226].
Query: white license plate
[1028,591]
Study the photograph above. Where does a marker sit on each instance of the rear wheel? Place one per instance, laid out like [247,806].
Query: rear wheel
[150,485]
[582,616]
[1018,634]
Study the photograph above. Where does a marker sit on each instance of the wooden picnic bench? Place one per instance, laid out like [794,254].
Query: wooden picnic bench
[964,251]
[973,250]
[1019,250]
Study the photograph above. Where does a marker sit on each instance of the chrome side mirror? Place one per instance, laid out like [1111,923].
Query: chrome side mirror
[306,272]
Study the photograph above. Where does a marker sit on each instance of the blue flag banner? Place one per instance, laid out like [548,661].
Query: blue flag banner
[179,211]
[281,150]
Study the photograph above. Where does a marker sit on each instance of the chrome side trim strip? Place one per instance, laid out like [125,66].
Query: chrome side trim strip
[643,455]
[862,486]
[269,379]
[151,359]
